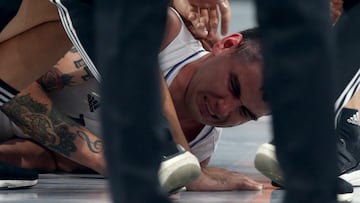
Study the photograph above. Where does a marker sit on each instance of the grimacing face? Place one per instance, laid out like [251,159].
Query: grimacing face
[225,92]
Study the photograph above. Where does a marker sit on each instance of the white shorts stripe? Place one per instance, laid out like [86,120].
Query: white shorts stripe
[68,26]
[346,95]
[6,93]
[3,99]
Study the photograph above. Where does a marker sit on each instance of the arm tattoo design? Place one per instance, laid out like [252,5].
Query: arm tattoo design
[81,64]
[96,146]
[73,50]
[87,76]
[48,126]
[55,80]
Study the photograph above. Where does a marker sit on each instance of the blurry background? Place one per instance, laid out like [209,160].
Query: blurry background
[243,15]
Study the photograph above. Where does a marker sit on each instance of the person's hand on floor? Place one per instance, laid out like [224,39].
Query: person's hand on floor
[219,179]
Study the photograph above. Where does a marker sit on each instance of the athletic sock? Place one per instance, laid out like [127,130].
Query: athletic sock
[6,92]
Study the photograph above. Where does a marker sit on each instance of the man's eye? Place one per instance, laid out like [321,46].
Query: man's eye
[245,112]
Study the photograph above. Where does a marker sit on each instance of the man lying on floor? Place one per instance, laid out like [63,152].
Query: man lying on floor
[221,88]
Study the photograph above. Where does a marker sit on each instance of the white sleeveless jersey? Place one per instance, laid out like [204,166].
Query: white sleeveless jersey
[181,51]
[83,101]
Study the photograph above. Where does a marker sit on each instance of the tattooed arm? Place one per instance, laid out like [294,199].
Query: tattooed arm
[69,71]
[35,114]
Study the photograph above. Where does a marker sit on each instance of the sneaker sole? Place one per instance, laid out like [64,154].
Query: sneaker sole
[352,177]
[178,172]
[348,197]
[12,184]
[266,162]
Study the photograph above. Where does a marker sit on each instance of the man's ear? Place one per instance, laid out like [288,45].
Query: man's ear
[228,42]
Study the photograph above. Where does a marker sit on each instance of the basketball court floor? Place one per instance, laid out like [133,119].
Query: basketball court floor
[235,151]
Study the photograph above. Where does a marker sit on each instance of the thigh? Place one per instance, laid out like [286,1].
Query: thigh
[31,13]
[26,153]
[64,164]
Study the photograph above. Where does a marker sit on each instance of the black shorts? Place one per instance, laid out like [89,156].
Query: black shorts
[347,66]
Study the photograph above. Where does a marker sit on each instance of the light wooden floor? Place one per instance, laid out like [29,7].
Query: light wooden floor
[236,152]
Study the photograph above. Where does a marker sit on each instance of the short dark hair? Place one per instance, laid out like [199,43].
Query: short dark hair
[250,50]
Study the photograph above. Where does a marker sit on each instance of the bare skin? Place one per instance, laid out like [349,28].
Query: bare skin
[354,102]
[28,34]
[336,7]
[35,114]
[79,150]
[211,179]
[204,18]
[24,39]
[30,44]
[16,152]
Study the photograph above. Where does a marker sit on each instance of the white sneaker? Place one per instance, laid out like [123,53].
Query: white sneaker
[266,163]
[178,170]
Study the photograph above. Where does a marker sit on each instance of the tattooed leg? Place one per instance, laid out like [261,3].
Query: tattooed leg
[69,71]
[27,154]
[64,164]
[35,114]
[31,43]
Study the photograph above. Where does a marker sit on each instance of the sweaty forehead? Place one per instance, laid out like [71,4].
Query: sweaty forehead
[250,78]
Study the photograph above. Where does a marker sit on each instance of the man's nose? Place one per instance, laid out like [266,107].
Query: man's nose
[225,106]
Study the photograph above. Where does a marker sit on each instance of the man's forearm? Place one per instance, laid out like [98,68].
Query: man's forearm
[219,179]
[171,116]
[35,115]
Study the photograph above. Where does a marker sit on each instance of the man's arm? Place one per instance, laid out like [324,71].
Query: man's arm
[171,116]
[220,179]
[36,115]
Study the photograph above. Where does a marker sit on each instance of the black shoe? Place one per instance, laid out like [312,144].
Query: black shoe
[345,190]
[12,177]
[348,131]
